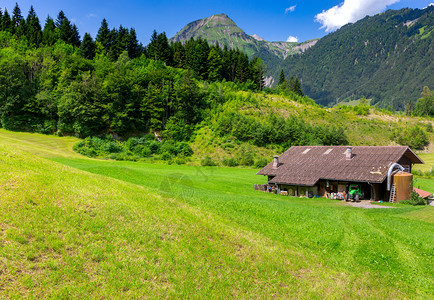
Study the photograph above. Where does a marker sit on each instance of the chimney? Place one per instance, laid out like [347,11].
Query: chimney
[349,153]
[276,162]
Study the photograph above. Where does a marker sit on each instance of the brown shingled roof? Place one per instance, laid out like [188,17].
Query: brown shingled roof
[422,193]
[305,165]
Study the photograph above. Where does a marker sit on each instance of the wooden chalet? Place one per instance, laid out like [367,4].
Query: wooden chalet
[329,170]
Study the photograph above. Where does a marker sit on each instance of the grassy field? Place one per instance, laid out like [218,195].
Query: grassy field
[77,227]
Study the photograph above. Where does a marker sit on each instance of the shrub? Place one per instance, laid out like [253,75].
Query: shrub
[414,136]
[415,199]
[207,162]
[112,147]
[230,162]
[166,156]
[262,162]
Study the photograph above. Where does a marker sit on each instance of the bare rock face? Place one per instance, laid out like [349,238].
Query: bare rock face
[306,45]
[257,37]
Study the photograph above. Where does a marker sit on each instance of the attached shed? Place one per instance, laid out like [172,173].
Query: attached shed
[329,170]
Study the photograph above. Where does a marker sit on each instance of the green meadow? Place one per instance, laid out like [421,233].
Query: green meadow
[74,227]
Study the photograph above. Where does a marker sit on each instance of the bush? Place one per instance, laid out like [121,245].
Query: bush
[166,156]
[262,162]
[207,162]
[414,200]
[414,136]
[132,149]
[230,162]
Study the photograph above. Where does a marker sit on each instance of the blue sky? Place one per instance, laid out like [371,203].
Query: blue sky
[272,20]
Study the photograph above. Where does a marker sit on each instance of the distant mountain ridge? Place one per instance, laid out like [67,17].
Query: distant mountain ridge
[223,30]
[388,58]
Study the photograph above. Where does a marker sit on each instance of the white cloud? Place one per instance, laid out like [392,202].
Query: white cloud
[290,9]
[292,39]
[350,11]
[90,16]
[431,4]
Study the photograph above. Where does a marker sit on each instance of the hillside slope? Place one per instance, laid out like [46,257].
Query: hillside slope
[130,230]
[388,57]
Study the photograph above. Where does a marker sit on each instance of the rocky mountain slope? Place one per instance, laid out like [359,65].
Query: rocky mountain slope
[224,31]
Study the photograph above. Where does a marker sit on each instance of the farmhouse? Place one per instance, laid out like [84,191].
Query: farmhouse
[376,172]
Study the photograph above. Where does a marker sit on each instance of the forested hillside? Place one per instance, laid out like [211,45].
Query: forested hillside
[388,58]
[52,81]
[174,102]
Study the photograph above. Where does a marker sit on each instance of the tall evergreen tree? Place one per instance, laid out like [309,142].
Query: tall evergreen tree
[33,31]
[257,72]
[65,31]
[6,24]
[17,21]
[159,49]
[178,55]
[75,36]
[49,36]
[134,48]
[1,19]
[87,47]
[214,65]
[103,35]
[297,87]
[282,79]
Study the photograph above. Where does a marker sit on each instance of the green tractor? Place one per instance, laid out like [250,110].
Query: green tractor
[355,192]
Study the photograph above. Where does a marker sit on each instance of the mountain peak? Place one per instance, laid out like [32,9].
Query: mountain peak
[209,28]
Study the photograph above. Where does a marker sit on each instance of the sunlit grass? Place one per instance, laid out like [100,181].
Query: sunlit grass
[76,227]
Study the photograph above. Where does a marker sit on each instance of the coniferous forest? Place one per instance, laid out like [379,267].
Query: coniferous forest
[52,80]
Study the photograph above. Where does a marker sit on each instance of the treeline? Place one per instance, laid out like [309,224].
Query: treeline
[53,82]
[288,132]
[211,63]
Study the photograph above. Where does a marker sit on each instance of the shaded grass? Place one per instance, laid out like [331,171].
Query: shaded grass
[136,229]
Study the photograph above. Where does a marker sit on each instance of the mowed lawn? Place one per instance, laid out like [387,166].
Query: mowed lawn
[78,227]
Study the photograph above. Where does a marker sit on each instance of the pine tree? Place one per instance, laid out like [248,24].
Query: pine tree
[121,41]
[33,31]
[103,35]
[111,50]
[282,79]
[242,67]
[134,48]
[6,22]
[75,36]
[291,83]
[178,55]
[60,18]
[257,73]
[297,87]
[87,47]
[17,21]
[49,36]
[214,65]
[65,31]
[159,49]
[1,19]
